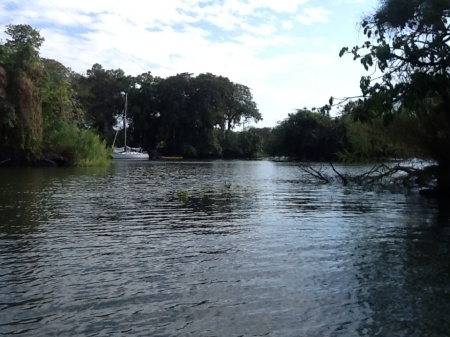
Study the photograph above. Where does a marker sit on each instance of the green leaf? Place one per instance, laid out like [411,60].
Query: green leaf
[343,51]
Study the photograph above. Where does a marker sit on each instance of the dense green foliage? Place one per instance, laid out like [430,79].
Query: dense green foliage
[181,115]
[48,112]
[313,136]
[408,43]
[38,113]
[75,146]
[305,135]
[21,73]
[189,116]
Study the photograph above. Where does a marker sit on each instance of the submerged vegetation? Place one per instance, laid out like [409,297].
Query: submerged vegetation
[183,195]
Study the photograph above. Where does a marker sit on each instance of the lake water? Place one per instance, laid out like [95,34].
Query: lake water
[223,248]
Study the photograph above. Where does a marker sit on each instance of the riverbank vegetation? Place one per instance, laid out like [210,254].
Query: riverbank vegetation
[49,112]
[41,121]
[408,56]
[404,109]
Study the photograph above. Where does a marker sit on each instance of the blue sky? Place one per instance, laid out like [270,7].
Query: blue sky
[286,51]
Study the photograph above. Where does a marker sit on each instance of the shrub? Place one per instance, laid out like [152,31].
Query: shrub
[73,146]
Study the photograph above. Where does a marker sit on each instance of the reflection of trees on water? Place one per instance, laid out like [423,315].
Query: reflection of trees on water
[354,207]
[223,210]
[33,196]
[403,270]
[443,216]
[145,195]
[32,201]
[296,199]
[28,247]
[219,196]
[22,205]
[21,211]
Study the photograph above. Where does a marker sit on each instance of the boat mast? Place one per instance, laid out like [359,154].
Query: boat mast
[125,123]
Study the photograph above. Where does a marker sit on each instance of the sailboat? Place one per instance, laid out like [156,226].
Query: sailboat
[127,152]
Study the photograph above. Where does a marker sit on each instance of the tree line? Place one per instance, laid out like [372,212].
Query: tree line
[404,108]
[49,111]
[408,43]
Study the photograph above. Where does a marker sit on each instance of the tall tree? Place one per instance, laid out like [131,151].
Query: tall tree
[102,98]
[206,105]
[173,98]
[58,96]
[24,36]
[241,107]
[187,115]
[306,135]
[144,116]
[21,71]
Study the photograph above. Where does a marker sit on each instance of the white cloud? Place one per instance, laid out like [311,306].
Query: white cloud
[273,47]
[279,6]
[314,14]
[261,29]
[287,25]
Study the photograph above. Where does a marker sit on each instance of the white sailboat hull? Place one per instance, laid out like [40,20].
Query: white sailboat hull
[130,155]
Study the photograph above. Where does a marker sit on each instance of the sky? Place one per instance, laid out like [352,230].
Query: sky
[285,51]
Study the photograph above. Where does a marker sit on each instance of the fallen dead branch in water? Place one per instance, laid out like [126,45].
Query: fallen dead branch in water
[316,173]
[385,176]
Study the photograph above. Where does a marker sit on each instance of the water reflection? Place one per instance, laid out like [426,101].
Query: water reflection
[402,269]
[28,202]
[252,251]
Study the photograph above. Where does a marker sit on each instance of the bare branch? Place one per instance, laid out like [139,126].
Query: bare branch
[385,176]
[316,173]
[344,179]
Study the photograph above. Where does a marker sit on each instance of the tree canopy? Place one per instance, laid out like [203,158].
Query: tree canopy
[20,93]
[39,114]
[408,43]
[45,107]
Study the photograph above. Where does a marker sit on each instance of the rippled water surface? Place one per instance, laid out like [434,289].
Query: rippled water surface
[216,249]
